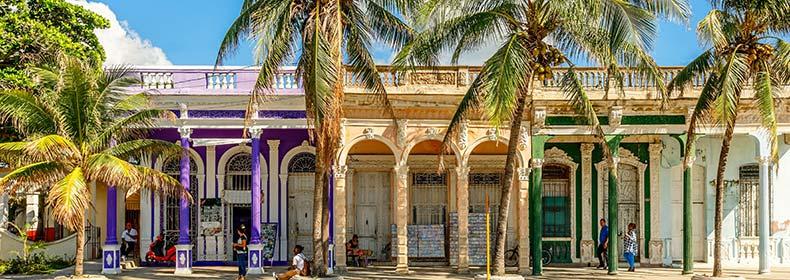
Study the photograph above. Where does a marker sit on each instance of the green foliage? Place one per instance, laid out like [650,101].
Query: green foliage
[34,29]
[35,264]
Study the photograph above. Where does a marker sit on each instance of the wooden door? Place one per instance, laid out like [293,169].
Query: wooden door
[698,213]
[300,211]
[628,189]
[372,211]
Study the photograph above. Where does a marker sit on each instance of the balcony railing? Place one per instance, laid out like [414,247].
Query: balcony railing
[242,80]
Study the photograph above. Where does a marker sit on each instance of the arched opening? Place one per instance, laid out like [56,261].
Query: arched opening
[170,216]
[369,196]
[429,202]
[557,211]
[301,187]
[238,177]
[628,196]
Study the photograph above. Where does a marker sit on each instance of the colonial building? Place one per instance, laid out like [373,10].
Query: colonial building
[387,187]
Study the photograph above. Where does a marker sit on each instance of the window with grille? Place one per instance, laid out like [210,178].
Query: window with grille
[481,184]
[302,163]
[748,190]
[172,167]
[428,198]
[238,173]
[556,201]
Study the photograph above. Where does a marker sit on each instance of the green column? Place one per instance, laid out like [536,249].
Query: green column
[688,227]
[613,142]
[536,203]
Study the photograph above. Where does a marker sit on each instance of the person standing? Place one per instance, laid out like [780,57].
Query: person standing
[630,246]
[129,238]
[603,244]
[240,246]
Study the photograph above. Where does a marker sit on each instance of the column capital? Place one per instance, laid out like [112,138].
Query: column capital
[340,171]
[402,171]
[273,144]
[655,148]
[185,132]
[615,162]
[587,149]
[536,163]
[765,160]
[255,132]
[690,161]
[523,174]
[462,172]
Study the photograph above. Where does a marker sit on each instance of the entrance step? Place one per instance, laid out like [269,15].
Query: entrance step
[129,264]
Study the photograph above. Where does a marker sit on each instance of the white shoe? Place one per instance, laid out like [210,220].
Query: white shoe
[274,275]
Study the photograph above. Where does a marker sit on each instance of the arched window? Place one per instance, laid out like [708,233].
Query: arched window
[239,172]
[172,167]
[302,163]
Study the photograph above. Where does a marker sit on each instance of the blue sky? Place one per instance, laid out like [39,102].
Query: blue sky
[189,32]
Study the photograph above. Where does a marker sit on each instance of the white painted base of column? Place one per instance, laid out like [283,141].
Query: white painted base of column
[331,259]
[656,251]
[587,251]
[111,259]
[255,259]
[183,259]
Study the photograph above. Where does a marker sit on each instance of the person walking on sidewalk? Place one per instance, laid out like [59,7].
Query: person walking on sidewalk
[603,244]
[630,246]
[240,246]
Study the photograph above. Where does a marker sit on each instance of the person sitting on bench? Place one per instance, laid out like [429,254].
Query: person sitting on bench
[353,251]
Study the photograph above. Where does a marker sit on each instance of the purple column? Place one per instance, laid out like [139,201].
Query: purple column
[112,216]
[255,234]
[183,211]
[112,212]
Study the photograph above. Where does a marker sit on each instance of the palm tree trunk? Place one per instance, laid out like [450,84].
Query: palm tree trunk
[507,184]
[80,254]
[318,216]
[719,211]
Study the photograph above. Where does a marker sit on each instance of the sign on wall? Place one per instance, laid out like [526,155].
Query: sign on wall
[268,239]
[211,216]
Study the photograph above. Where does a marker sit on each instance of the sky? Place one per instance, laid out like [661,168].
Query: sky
[188,32]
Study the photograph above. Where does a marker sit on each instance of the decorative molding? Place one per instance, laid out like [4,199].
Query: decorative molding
[275,143]
[183,111]
[536,163]
[255,132]
[586,149]
[340,171]
[491,133]
[368,132]
[523,138]
[556,155]
[431,132]
[539,117]
[343,124]
[185,132]
[523,174]
[463,135]
[615,116]
[402,132]
[764,160]
[559,157]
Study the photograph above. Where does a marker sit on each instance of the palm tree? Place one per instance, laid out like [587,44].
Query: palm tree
[80,129]
[538,35]
[322,35]
[742,49]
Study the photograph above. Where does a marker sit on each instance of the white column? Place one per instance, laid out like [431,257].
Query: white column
[587,243]
[211,172]
[340,216]
[523,220]
[31,212]
[402,218]
[656,242]
[763,228]
[274,171]
[283,238]
[462,206]
[4,209]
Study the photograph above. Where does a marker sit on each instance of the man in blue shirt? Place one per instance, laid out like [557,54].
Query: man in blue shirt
[603,243]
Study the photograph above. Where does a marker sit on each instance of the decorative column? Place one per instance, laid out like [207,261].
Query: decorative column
[111,251]
[402,218]
[656,242]
[523,220]
[536,203]
[587,242]
[462,205]
[613,142]
[340,216]
[764,221]
[184,246]
[688,226]
[255,256]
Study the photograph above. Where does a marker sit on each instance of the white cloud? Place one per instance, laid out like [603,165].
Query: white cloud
[121,44]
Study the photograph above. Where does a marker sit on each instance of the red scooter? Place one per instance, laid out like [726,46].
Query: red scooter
[157,252]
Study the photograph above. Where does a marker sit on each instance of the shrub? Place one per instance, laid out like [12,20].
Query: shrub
[35,264]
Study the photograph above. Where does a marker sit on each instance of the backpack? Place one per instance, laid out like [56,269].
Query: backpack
[306,271]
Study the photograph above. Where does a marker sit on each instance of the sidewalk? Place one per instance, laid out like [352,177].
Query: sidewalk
[387,272]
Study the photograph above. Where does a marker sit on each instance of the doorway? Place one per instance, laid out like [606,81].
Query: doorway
[240,215]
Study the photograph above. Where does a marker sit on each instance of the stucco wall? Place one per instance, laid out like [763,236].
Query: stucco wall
[11,246]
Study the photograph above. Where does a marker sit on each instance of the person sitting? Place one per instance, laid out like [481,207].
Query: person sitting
[129,238]
[299,266]
[353,250]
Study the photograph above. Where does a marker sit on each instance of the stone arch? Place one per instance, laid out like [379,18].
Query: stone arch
[471,147]
[304,148]
[225,158]
[417,140]
[626,158]
[343,155]
[557,156]
[201,167]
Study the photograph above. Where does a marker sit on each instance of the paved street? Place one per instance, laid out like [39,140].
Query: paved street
[386,272]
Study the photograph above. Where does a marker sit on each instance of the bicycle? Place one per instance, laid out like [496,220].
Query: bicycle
[511,257]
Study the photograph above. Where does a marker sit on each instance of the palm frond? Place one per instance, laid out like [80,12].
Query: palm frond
[159,182]
[112,171]
[733,71]
[47,148]
[694,70]
[504,78]
[240,27]
[32,176]
[781,61]
[710,29]
[70,199]
[143,147]
[764,88]
[575,93]
[627,22]
[702,111]
[27,114]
